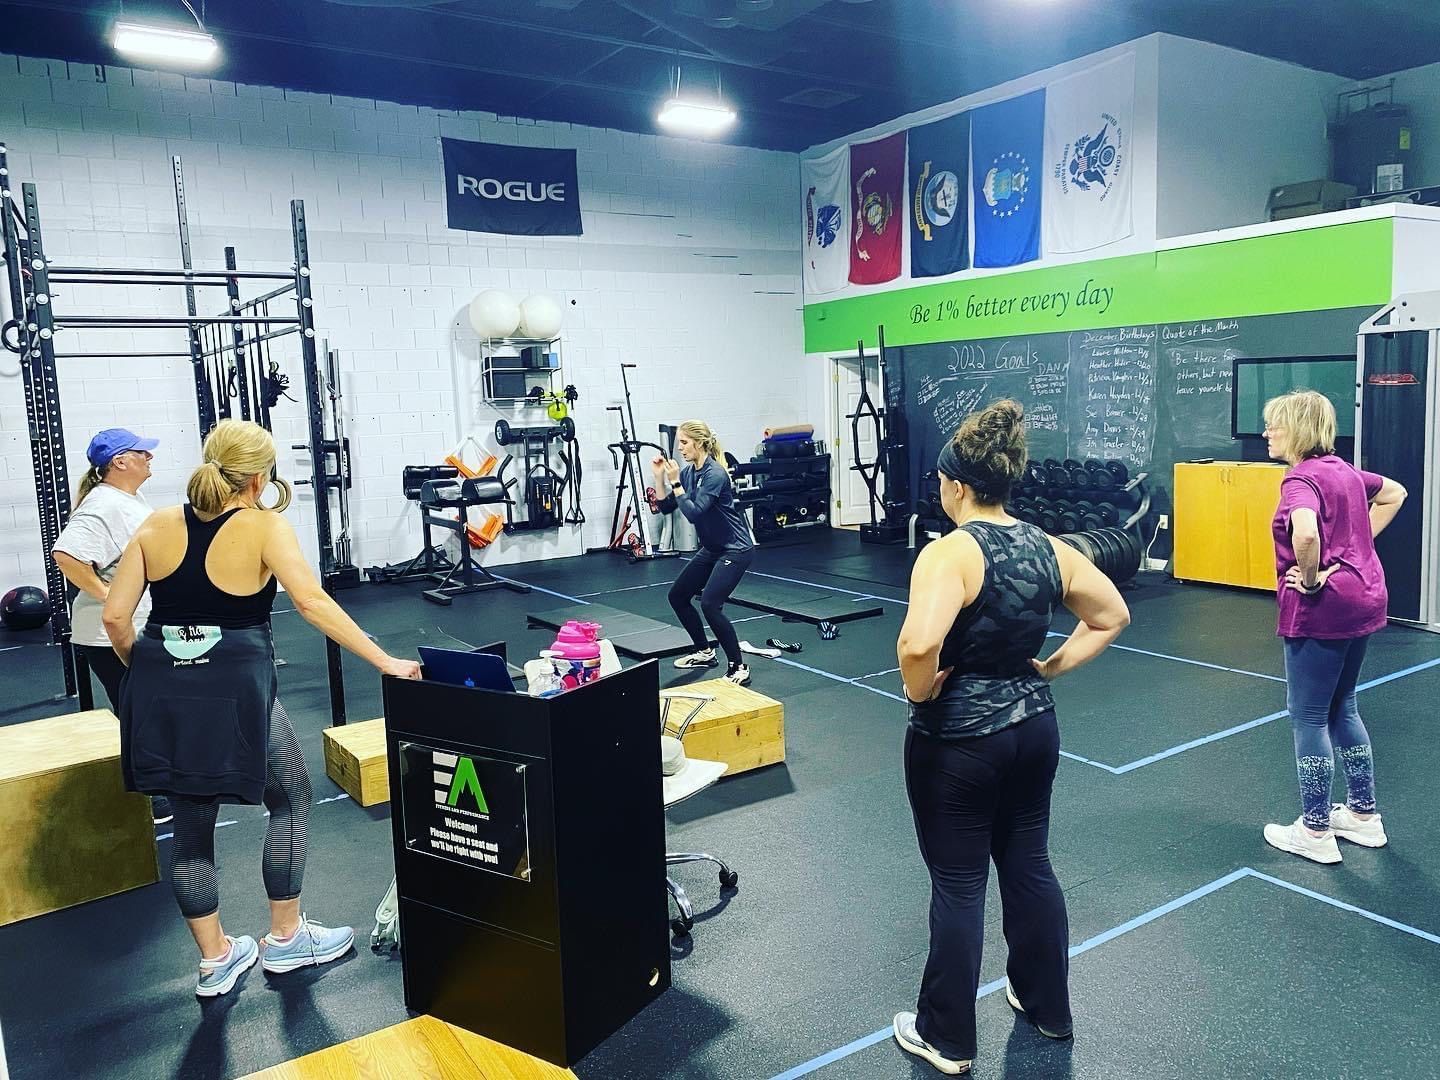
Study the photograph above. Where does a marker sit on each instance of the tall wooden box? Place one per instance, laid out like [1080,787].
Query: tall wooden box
[72,832]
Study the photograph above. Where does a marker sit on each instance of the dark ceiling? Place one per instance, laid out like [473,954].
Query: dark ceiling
[800,72]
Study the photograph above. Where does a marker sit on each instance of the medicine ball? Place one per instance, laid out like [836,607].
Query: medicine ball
[24,608]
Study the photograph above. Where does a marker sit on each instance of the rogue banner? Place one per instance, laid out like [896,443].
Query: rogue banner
[519,190]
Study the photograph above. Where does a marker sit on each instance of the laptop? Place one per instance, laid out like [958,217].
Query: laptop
[482,670]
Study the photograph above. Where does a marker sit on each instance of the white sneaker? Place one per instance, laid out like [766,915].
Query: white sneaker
[1296,839]
[740,676]
[1015,1004]
[911,1042]
[1366,833]
[703,658]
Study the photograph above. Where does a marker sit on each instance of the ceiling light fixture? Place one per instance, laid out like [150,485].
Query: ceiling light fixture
[687,115]
[167,44]
[696,118]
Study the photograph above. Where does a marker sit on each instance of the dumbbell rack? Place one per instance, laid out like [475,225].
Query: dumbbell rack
[1073,496]
[1092,505]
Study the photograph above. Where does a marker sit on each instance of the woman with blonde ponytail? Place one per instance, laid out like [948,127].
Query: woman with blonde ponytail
[200,718]
[703,493]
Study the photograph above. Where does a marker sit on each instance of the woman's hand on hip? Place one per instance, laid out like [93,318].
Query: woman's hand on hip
[1295,579]
[935,687]
[401,669]
[1046,669]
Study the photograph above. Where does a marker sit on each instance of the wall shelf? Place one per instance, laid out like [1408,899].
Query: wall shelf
[507,379]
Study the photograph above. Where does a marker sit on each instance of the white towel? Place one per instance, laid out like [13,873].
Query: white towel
[745,646]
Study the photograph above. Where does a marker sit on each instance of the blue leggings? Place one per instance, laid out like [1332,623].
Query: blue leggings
[1320,677]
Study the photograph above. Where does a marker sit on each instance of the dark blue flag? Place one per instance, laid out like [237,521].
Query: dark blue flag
[1007,149]
[520,190]
[939,216]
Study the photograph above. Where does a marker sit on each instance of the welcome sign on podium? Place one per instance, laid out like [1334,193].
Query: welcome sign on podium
[466,808]
[530,858]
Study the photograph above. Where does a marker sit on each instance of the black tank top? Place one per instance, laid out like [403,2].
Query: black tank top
[994,638]
[187,596]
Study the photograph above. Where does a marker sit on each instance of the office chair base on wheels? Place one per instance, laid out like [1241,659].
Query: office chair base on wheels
[680,927]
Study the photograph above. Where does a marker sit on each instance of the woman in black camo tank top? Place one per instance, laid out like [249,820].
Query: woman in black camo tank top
[982,745]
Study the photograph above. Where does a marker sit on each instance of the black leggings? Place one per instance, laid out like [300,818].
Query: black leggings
[106,667]
[713,577]
[287,797]
[977,800]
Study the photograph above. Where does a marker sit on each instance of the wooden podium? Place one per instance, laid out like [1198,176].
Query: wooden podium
[530,858]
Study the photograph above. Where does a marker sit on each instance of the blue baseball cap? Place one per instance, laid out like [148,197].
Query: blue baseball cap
[110,443]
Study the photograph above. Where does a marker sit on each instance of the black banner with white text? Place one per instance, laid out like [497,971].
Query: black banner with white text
[517,190]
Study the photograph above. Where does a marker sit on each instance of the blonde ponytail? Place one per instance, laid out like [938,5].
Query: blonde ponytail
[698,432]
[93,478]
[235,452]
[208,489]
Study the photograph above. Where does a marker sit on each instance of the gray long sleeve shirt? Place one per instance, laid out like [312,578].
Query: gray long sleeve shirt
[709,504]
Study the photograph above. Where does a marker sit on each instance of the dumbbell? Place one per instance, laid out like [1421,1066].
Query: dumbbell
[1100,477]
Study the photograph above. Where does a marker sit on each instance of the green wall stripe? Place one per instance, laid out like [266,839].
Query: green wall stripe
[1337,266]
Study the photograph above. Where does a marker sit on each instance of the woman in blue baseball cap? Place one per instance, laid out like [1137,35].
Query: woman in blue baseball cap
[108,510]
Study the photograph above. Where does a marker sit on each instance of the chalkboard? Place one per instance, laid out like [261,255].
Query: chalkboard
[1147,395]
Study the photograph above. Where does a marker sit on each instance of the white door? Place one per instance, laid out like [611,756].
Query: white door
[852,499]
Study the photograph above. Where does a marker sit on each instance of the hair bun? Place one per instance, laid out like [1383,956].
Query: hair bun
[1001,418]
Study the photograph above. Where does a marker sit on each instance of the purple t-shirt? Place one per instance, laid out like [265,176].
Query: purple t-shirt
[1353,601]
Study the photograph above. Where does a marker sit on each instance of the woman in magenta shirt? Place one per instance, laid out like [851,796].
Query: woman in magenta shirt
[1331,593]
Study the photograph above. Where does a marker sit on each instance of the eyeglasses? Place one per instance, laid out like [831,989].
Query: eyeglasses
[146,454]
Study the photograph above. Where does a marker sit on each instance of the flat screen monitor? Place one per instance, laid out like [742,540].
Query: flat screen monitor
[1258,379]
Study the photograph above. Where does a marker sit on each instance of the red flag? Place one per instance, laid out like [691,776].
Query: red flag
[877,193]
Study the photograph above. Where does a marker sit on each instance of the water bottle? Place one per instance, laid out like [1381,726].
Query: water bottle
[546,683]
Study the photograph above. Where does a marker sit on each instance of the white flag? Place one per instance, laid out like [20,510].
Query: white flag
[825,192]
[1088,123]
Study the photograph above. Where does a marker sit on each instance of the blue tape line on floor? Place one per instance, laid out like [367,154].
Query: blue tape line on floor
[1085,946]
[838,678]
[1258,722]
[627,588]
[829,588]
[1183,660]
[547,592]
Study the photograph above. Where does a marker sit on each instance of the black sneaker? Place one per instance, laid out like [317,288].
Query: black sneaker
[160,810]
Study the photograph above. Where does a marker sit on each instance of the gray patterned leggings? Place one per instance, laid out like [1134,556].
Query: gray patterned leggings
[1320,678]
[287,797]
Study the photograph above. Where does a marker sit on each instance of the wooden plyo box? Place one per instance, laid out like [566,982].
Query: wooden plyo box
[741,727]
[72,832]
[355,759]
[422,1047]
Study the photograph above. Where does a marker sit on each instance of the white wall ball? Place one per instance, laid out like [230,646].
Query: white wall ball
[539,317]
[494,314]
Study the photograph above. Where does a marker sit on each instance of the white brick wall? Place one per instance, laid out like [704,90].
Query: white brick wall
[715,338]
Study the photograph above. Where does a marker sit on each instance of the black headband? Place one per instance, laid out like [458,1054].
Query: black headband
[951,465]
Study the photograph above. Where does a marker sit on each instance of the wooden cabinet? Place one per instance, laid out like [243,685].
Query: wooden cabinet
[1223,511]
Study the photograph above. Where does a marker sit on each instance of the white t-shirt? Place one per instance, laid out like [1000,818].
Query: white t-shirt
[97,533]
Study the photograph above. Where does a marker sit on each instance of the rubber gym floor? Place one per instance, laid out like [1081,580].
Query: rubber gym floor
[1198,950]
